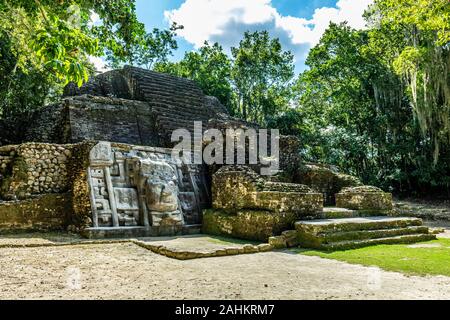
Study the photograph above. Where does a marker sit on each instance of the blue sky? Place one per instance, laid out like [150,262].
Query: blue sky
[298,24]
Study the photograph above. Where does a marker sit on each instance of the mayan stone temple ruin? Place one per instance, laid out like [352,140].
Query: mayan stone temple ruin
[99,163]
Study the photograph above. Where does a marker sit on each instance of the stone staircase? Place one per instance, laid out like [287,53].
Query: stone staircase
[176,102]
[356,232]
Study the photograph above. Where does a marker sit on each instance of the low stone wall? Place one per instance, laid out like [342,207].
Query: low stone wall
[364,198]
[36,168]
[45,212]
[246,224]
[45,186]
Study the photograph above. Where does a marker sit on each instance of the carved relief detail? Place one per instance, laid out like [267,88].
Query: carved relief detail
[142,187]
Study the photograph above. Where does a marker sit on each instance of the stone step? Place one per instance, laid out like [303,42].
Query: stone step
[171,82]
[178,98]
[354,244]
[171,109]
[334,213]
[157,90]
[173,124]
[337,213]
[370,234]
[354,224]
[163,77]
[181,118]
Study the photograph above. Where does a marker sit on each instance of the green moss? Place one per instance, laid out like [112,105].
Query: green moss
[46,212]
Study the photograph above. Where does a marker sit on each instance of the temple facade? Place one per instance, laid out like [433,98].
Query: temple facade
[100,162]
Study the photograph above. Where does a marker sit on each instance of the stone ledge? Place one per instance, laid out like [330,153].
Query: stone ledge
[188,255]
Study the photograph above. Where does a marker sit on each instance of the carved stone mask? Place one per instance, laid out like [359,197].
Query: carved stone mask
[160,186]
[162,196]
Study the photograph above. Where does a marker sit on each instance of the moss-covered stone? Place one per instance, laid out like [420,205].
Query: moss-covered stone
[347,233]
[236,188]
[45,212]
[365,198]
[79,189]
[246,224]
[278,242]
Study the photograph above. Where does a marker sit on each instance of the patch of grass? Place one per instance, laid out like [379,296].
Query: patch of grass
[400,258]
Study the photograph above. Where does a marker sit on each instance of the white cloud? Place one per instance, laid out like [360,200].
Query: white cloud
[94,19]
[203,19]
[99,64]
[310,31]
[225,22]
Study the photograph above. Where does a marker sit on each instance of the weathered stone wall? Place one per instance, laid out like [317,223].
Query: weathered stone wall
[44,186]
[81,216]
[35,168]
[44,212]
[257,225]
[81,118]
[365,198]
[49,124]
[112,119]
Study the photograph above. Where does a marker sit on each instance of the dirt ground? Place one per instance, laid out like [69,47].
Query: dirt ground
[127,271]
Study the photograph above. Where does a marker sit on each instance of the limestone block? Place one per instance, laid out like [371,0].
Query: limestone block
[101,154]
[278,242]
[291,238]
[246,224]
[364,198]
[239,187]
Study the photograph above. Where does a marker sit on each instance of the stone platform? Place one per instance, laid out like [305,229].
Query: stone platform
[349,233]
[200,246]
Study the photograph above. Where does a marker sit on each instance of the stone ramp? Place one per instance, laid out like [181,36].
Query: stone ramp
[349,233]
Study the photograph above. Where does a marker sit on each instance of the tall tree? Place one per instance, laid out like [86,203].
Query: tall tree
[262,73]
[422,59]
[154,48]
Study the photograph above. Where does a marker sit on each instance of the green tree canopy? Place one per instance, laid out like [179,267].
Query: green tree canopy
[155,48]
[57,36]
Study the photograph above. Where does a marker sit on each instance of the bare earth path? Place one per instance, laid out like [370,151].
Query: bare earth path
[127,271]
